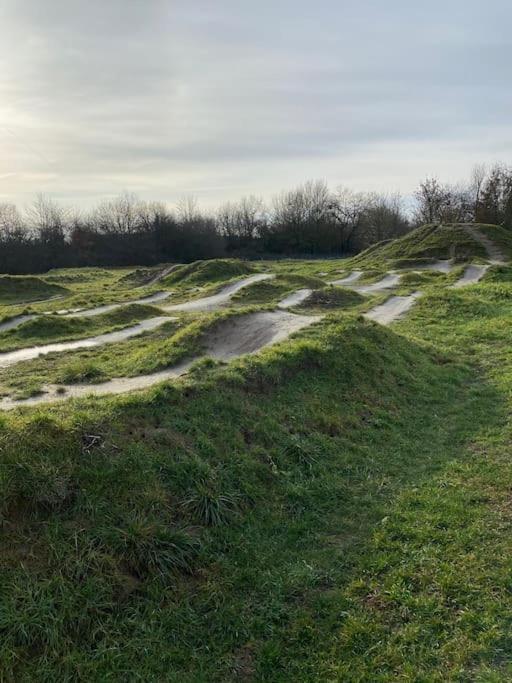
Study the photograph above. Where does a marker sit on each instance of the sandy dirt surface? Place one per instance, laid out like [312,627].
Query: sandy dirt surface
[295,298]
[231,339]
[210,303]
[12,357]
[249,333]
[349,279]
[472,274]
[392,309]
[389,281]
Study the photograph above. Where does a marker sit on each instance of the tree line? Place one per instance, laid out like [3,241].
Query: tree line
[310,220]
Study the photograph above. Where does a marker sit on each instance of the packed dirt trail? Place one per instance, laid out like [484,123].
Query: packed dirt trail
[99,310]
[12,357]
[388,282]
[163,273]
[494,253]
[349,279]
[392,309]
[295,298]
[233,338]
[472,274]
[444,266]
[210,303]
[13,323]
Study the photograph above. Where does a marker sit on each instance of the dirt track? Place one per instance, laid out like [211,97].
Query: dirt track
[472,274]
[210,303]
[12,357]
[349,279]
[295,298]
[231,339]
[392,309]
[99,310]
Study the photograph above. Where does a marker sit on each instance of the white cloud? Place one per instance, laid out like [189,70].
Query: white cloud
[225,98]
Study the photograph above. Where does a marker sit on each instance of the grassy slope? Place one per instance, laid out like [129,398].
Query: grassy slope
[420,245]
[47,329]
[335,509]
[297,455]
[25,289]
[204,272]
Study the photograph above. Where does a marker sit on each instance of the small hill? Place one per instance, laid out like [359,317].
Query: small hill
[272,290]
[205,272]
[139,277]
[22,289]
[428,243]
[333,297]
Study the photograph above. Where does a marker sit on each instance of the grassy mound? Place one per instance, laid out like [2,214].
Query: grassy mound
[80,275]
[48,328]
[268,291]
[25,289]
[185,523]
[333,297]
[429,242]
[139,277]
[205,272]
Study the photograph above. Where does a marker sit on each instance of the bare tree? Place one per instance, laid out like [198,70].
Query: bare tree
[11,221]
[242,222]
[47,216]
[117,216]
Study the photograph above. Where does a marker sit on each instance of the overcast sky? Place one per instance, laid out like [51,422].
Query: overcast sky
[221,98]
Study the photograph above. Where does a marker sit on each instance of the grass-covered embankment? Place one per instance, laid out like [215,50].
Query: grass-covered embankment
[224,527]
[19,289]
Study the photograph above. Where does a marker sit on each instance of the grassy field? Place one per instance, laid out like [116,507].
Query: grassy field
[335,508]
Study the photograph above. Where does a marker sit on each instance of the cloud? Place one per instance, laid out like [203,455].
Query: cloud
[223,98]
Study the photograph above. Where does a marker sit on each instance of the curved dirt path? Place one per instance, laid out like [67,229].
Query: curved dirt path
[472,274]
[233,338]
[210,303]
[295,298]
[441,266]
[494,252]
[389,281]
[99,310]
[164,273]
[13,323]
[392,309]
[349,279]
[12,357]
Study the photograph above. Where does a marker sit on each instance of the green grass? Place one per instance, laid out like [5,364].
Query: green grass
[334,298]
[49,328]
[268,291]
[18,289]
[336,508]
[207,272]
[421,245]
